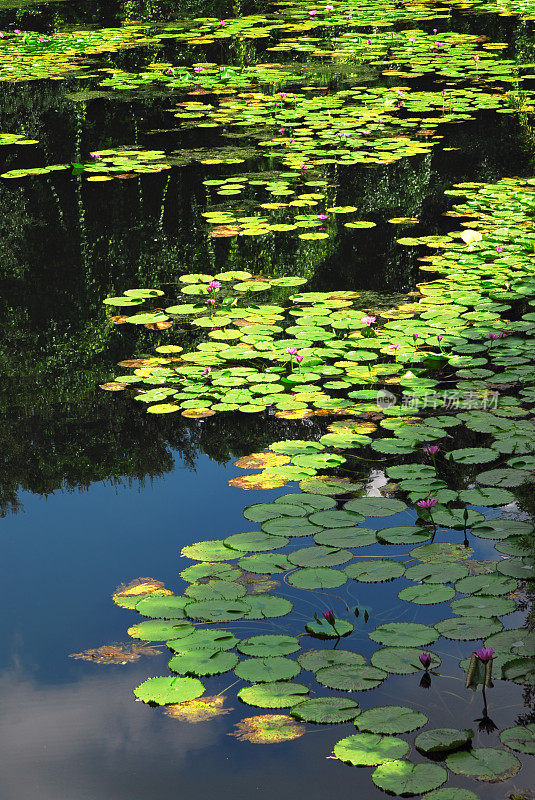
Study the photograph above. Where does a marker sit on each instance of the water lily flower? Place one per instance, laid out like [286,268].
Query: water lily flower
[214,285]
[499,248]
[369,41]
[96,156]
[42,39]
[291,140]
[329,616]
[299,359]
[425,660]
[281,130]
[493,336]
[313,12]
[415,336]
[206,371]
[440,337]
[16,30]
[431,449]
[412,39]
[428,503]
[198,69]
[484,654]
[222,22]
[368,320]
[283,94]
[435,30]
[322,216]
[291,351]
[210,302]
[329,8]
[438,44]
[394,346]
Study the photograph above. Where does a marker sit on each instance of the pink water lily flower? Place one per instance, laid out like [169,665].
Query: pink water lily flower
[198,69]
[322,216]
[428,503]
[368,320]
[214,285]
[431,449]
[16,30]
[291,351]
[329,8]
[499,248]
[206,371]
[425,660]
[484,654]
[210,302]
[299,359]
[329,616]
[222,22]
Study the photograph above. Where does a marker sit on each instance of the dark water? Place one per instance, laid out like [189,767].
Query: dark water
[94,492]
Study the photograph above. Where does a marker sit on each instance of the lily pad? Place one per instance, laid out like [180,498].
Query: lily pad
[442,740]
[265,670]
[401,660]
[520,738]
[351,677]
[326,710]
[404,634]
[375,571]
[278,694]
[370,749]
[484,764]
[390,719]
[406,778]
[169,690]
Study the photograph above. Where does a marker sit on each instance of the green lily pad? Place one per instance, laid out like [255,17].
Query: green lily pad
[441,572]
[484,764]
[468,628]
[401,660]
[405,778]
[218,611]
[159,630]
[269,645]
[520,670]
[266,563]
[317,578]
[404,634]
[490,584]
[351,677]
[375,571]
[390,719]
[319,556]
[278,694]
[375,506]
[209,639]
[520,738]
[265,670]
[211,550]
[326,710]
[315,660]
[203,662]
[442,740]
[165,690]
[346,537]
[481,606]
[324,630]
[265,606]
[370,749]
[404,534]
[166,607]
[255,541]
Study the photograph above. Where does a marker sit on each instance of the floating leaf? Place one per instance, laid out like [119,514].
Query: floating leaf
[201,710]
[380,569]
[169,690]
[405,778]
[351,677]
[269,645]
[370,749]
[315,660]
[203,662]
[283,694]
[268,729]
[484,764]
[401,660]
[159,630]
[404,634]
[324,630]
[265,670]
[441,740]
[520,738]
[468,628]
[317,578]
[326,710]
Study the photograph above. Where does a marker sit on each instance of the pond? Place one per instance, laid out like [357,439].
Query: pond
[268,387]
